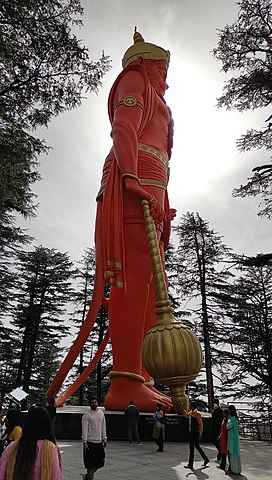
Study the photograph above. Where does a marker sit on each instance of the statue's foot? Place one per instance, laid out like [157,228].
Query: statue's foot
[162,395]
[124,389]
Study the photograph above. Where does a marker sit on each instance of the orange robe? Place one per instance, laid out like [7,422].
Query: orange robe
[122,256]
[121,243]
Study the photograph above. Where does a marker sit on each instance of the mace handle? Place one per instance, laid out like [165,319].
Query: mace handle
[163,308]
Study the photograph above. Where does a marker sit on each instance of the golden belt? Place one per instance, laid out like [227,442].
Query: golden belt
[153,183]
[154,152]
[159,155]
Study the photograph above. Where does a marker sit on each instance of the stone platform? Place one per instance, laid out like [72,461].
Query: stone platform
[68,425]
[141,462]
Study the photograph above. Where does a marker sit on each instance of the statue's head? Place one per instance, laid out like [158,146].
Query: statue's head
[154,58]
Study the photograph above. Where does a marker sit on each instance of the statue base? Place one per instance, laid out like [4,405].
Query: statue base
[68,425]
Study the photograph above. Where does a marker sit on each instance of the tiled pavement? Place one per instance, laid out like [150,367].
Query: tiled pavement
[141,462]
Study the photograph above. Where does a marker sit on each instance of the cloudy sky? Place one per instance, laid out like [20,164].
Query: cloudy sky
[205,166]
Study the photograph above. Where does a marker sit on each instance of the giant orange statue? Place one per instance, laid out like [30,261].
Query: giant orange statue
[135,169]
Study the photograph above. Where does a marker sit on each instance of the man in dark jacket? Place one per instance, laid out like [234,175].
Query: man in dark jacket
[132,414]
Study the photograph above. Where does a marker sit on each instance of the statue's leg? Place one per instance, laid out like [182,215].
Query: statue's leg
[127,309]
[127,306]
[127,320]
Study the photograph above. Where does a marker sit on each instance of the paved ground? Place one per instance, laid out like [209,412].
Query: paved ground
[141,462]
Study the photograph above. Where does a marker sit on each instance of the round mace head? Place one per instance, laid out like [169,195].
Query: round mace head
[171,351]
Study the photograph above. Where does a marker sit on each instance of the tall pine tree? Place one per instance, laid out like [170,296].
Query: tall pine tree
[45,70]
[246,334]
[245,51]
[43,292]
[200,253]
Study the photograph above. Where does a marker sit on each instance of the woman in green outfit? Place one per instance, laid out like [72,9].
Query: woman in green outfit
[233,441]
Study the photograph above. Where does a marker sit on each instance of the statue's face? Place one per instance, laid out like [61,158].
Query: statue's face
[157,72]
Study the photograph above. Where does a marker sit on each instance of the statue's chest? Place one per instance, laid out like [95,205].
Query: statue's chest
[161,117]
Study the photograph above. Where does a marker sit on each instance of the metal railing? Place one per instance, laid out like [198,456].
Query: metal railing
[255,424]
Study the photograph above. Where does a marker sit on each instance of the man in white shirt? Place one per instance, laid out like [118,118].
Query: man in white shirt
[94,439]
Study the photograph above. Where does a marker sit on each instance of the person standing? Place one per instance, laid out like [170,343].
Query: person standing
[217,418]
[233,441]
[159,427]
[132,415]
[195,432]
[223,440]
[94,439]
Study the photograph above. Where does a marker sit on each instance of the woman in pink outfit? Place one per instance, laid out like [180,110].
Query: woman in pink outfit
[35,456]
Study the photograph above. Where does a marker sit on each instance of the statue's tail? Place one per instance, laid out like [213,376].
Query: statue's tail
[78,344]
[83,377]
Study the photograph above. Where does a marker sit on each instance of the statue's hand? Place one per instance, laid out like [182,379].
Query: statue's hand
[172,214]
[134,187]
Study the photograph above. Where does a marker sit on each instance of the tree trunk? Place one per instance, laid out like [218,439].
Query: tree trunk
[102,327]
[27,332]
[81,356]
[208,356]
[80,370]
[35,316]
[205,318]
[22,363]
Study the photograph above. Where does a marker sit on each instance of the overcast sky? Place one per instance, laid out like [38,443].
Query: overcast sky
[205,166]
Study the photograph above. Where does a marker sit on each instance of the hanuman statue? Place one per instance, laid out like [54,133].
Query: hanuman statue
[135,169]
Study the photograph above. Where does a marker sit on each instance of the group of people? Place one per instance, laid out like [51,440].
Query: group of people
[33,448]
[94,435]
[225,433]
[226,437]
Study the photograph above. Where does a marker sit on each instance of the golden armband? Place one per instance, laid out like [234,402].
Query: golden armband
[130,101]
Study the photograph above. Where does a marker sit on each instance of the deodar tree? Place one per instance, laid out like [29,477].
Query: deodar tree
[44,289]
[201,276]
[44,70]
[246,334]
[245,52]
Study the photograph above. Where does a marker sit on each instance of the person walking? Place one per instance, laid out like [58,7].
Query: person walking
[159,427]
[195,432]
[223,440]
[94,439]
[35,456]
[217,418]
[233,441]
[132,415]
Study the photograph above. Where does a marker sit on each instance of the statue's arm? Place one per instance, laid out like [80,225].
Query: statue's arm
[128,112]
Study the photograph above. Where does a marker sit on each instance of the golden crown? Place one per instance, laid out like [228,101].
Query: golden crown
[144,50]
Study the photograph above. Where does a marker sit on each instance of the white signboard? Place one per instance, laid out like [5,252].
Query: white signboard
[18,394]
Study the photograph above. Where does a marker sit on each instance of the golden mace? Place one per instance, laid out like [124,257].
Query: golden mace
[171,352]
